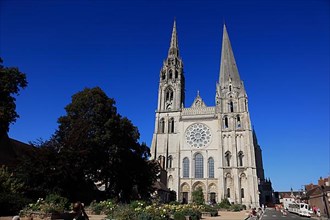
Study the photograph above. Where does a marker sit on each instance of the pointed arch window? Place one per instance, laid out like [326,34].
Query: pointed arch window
[176,74]
[211,167]
[169,161]
[169,94]
[238,118]
[199,168]
[162,126]
[161,160]
[231,106]
[227,158]
[171,125]
[170,74]
[225,125]
[230,88]
[240,158]
[242,193]
[163,75]
[185,167]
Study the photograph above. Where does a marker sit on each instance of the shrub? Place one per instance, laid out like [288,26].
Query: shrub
[224,204]
[211,209]
[194,214]
[236,207]
[179,216]
[12,203]
[144,216]
[53,203]
[198,196]
[124,212]
[104,207]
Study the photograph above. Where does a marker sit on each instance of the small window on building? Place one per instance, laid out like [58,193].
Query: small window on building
[242,193]
[240,158]
[185,167]
[161,160]
[169,94]
[211,167]
[227,158]
[163,75]
[230,88]
[226,122]
[171,125]
[176,74]
[231,106]
[228,192]
[162,126]
[170,74]
[169,161]
[238,121]
[199,168]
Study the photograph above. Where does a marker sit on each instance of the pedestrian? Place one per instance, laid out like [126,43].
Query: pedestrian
[78,212]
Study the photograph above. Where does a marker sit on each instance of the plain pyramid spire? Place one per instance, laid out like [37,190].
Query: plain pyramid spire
[228,69]
[174,49]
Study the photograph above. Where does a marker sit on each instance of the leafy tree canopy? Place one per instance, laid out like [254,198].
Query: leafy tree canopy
[198,196]
[93,143]
[11,81]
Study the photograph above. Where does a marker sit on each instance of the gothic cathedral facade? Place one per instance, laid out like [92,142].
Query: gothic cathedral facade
[212,147]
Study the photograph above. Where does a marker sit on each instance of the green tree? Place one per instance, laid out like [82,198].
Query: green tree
[93,143]
[11,81]
[198,196]
[103,146]
[11,196]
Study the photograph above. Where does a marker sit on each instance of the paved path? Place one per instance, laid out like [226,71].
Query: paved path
[225,215]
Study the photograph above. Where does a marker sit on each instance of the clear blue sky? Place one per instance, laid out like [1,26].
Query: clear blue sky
[281,49]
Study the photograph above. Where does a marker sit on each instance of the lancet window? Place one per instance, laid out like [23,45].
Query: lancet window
[185,167]
[199,168]
[227,158]
[240,158]
[211,167]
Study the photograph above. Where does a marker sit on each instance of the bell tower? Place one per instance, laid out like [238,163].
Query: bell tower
[171,82]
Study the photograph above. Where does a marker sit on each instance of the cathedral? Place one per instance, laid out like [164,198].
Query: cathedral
[212,147]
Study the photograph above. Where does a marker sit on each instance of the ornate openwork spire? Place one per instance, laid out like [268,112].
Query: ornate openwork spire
[174,49]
